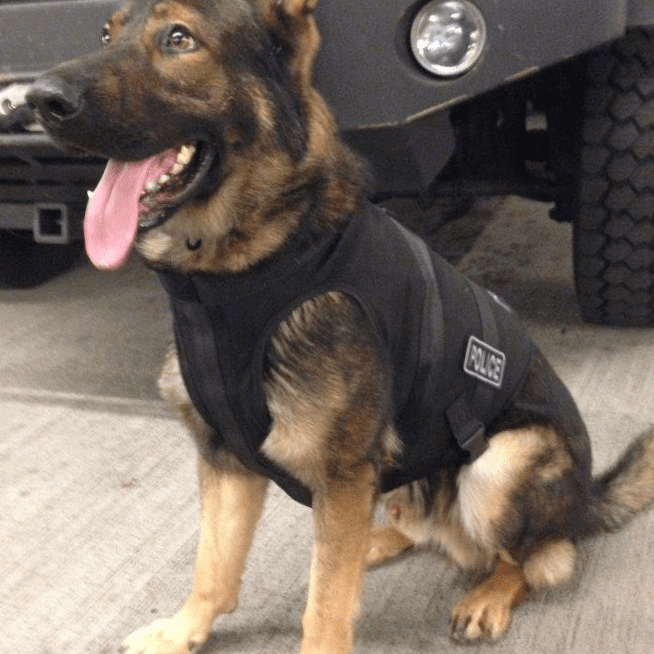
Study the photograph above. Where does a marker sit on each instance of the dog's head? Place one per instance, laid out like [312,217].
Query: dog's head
[206,111]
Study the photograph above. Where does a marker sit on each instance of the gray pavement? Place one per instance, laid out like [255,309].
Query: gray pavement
[98,507]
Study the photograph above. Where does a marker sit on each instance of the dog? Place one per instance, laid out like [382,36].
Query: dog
[307,343]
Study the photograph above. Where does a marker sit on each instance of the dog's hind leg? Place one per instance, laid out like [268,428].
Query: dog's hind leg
[232,502]
[386,544]
[485,612]
[343,515]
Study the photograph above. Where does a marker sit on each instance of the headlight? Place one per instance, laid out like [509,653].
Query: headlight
[448,36]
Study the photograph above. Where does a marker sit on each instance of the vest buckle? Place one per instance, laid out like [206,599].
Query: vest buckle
[468,430]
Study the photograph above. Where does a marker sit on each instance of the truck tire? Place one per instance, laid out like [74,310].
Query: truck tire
[613,223]
[25,264]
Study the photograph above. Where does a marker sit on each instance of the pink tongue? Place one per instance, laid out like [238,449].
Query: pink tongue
[112,213]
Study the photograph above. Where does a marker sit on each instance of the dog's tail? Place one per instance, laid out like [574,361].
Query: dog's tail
[625,490]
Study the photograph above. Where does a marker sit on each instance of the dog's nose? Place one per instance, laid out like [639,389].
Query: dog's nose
[55,99]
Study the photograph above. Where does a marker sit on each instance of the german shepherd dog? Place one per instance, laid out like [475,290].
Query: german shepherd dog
[225,163]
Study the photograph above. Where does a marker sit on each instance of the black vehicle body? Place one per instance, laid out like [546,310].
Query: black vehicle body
[519,122]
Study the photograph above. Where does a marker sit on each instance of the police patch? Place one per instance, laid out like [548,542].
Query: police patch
[484,362]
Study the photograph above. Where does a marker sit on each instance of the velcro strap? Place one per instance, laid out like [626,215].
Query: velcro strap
[468,430]
[466,418]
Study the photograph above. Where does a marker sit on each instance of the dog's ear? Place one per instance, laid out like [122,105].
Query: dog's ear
[293,9]
[297,8]
[294,27]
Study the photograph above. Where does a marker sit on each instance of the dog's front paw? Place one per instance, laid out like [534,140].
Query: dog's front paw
[479,617]
[168,636]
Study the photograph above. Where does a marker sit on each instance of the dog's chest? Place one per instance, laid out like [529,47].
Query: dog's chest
[423,314]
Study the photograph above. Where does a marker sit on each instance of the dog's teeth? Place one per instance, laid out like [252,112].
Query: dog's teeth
[163,179]
[177,168]
[90,194]
[185,154]
[152,187]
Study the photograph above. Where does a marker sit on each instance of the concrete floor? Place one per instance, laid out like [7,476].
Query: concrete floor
[98,507]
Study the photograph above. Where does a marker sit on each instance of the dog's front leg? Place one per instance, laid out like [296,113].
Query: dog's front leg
[232,502]
[342,524]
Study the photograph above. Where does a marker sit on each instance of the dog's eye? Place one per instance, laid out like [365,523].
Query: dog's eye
[179,39]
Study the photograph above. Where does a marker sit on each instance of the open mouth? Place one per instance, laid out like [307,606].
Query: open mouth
[137,196]
[174,185]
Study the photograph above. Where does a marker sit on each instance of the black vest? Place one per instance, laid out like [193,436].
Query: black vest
[457,352]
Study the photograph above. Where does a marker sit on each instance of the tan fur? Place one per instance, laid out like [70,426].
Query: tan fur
[466,529]
[231,506]
[282,173]
[386,543]
[342,523]
[633,497]
[235,225]
[551,565]
[485,612]
[485,487]
[305,35]
[446,533]
[302,421]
